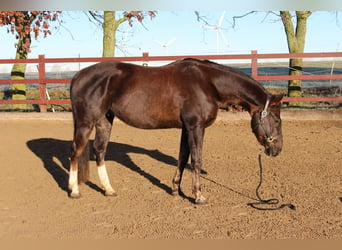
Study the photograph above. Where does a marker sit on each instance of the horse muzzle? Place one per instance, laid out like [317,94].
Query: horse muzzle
[272,147]
[269,151]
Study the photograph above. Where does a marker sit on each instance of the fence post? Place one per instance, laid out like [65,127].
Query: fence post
[254,63]
[145,58]
[42,84]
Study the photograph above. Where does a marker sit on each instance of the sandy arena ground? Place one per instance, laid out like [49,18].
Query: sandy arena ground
[308,174]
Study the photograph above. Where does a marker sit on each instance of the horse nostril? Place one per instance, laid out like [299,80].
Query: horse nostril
[268,151]
[276,152]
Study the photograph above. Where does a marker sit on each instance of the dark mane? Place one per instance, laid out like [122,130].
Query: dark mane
[222,67]
[237,74]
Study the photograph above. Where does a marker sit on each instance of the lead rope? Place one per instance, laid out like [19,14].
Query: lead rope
[268,202]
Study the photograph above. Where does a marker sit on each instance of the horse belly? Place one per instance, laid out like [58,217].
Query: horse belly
[147,115]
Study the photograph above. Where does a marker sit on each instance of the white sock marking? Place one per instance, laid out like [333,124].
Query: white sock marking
[104,178]
[73,185]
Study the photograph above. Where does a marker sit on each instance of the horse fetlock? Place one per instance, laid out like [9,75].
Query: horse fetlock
[175,187]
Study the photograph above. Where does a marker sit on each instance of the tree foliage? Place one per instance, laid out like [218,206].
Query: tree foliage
[129,16]
[23,23]
[138,15]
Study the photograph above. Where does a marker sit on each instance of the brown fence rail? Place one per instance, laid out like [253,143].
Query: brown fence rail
[254,59]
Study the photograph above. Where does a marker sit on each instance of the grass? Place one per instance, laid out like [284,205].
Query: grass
[33,94]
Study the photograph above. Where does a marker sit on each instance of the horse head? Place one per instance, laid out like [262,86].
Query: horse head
[266,125]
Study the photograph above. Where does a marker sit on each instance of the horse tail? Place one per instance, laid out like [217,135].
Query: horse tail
[83,165]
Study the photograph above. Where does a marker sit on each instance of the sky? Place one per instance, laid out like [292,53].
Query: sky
[264,32]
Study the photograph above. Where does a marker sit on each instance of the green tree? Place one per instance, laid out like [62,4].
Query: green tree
[23,24]
[111,20]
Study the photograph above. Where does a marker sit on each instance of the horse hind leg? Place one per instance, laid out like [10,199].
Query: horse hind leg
[79,159]
[183,158]
[103,130]
[195,139]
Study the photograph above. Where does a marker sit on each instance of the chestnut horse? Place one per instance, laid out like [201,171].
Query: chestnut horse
[184,94]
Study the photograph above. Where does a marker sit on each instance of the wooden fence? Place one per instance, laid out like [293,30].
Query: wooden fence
[254,59]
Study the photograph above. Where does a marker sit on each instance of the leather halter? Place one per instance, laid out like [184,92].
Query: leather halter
[264,114]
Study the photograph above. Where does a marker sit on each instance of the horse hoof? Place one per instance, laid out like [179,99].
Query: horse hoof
[201,201]
[111,193]
[75,195]
[175,193]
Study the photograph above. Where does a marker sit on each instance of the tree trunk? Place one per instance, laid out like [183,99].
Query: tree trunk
[110,26]
[108,34]
[296,43]
[18,73]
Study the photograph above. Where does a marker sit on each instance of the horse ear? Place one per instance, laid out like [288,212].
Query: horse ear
[276,99]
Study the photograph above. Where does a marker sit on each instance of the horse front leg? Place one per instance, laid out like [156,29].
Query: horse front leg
[195,140]
[183,158]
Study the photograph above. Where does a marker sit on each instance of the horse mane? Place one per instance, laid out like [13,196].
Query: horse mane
[232,71]
[221,67]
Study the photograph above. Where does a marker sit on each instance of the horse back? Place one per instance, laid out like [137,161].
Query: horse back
[144,97]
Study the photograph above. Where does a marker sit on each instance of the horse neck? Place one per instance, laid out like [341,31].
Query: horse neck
[236,88]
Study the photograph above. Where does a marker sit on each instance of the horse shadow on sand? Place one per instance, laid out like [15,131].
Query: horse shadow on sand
[54,154]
